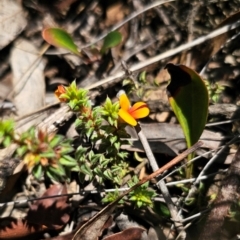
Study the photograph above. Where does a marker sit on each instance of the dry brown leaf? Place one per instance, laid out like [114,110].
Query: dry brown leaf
[63,6]
[51,212]
[115,13]
[12,21]
[11,228]
[133,233]
[169,139]
[28,80]
[92,230]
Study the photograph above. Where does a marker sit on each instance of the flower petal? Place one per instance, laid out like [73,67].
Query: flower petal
[60,90]
[126,117]
[139,110]
[124,102]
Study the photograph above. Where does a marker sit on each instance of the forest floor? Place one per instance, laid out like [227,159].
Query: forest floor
[154,33]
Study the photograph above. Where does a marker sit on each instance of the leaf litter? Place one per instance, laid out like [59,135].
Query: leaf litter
[28,79]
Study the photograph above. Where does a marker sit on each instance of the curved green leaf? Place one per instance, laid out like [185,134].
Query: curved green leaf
[188,97]
[60,38]
[111,40]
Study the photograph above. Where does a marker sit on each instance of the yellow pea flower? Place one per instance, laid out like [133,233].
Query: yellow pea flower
[129,114]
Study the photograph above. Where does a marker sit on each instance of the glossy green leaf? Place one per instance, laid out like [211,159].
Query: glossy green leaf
[60,38]
[111,40]
[188,97]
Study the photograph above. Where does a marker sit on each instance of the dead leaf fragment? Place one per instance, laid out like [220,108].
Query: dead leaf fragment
[92,229]
[133,233]
[28,80]
[11,228]
[12,21]
[50,212]
[169,139]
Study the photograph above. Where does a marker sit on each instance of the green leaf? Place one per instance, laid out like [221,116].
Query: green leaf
[107,173]
[161,209]
[68,161]
[86,170]
[48,154]
[60,38]
[7,141]
[53,176]
[55,141]
[22,150]
[66,149]
[188,97]
[81,177]
[80,154]
[142,77]
[111,40]
[37,171]
[139,204]
[59,170]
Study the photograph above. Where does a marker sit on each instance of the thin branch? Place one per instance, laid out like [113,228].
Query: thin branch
[161,184]
[172,52]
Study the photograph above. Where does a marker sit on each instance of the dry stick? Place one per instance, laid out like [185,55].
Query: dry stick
[167,54]
[37,111]
[185,164]
[170,164]
[161,184]
[174,183]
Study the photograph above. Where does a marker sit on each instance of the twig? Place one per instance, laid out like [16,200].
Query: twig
[185,164]
[189,180]
[141,65]
[161,184]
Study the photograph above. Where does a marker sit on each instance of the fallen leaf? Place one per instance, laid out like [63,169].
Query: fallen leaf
[50,212]
[133,233]
[11,228]
[64,6]
[92,230]
[28,81]
[12,21]
[168,139]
